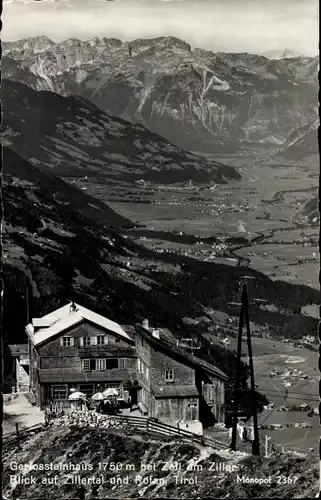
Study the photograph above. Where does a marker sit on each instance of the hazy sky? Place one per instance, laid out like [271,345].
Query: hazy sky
[220,25]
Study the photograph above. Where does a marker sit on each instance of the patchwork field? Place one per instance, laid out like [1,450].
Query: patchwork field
[268,201]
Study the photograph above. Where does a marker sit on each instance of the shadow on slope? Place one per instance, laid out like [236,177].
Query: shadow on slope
[76,139]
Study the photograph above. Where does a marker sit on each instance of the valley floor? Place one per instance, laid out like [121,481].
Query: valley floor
[268,201]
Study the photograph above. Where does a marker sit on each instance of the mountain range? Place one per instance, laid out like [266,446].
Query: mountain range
[74,138]
[196,99]
[282,54]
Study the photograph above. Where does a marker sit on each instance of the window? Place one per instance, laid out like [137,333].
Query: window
[86,365]
[67,341]
[169,375]
[59,392]
[111,363]
[101,364]
[193,403]
[102,339]
[86,341]
[117,340]
[87,389]
[142,368]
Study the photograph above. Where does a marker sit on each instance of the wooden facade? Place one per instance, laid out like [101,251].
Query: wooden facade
[214,395]
[177,387]
[86,357]
[75,352]
[174,409]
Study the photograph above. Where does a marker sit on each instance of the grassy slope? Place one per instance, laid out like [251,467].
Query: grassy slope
[76,139]
[53,188]
[302,143]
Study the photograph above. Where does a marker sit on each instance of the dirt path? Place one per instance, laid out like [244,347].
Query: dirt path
[17,409]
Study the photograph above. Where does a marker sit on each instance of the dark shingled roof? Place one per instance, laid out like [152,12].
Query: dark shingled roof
[17,349]
[175,391]
[171,350]
[130,330]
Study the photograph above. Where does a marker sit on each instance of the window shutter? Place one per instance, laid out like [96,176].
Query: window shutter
[93,340]
[81,341]
[72,342]
[61,341]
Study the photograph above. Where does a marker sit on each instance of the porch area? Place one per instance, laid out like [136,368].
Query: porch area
[56,396]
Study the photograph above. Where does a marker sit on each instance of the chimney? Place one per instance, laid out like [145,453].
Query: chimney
[30,329]
[145,324]
[73,308]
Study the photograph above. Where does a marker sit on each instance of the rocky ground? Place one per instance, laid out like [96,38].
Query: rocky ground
[145,466]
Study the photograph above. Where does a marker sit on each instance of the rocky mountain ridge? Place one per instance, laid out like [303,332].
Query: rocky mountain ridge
[197,99]
[282,54]
[303,142]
